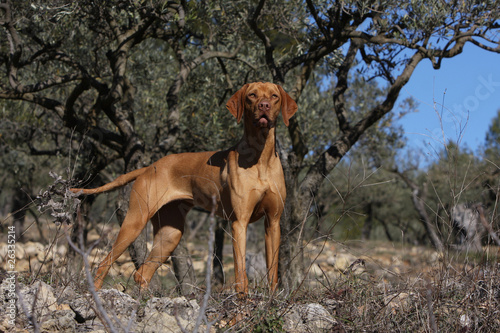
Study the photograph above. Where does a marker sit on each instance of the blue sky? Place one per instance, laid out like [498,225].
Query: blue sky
[464,93]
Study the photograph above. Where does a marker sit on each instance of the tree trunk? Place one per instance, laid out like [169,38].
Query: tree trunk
[367,226]
[291,258]
[20,201]
[80,229]
[300,196]
[419,203]
[386,230]
[183,269]
[418,198]
[138,249]
[133,160]
[218,253]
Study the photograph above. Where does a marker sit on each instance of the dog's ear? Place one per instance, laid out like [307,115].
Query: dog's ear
[236,103]
[288,105]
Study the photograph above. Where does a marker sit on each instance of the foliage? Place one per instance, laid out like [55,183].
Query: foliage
[269,321]
[493,137]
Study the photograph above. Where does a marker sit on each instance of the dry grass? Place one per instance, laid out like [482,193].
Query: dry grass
[399,288]
[455,293]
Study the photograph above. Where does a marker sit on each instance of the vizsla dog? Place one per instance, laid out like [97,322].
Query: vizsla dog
[246,180]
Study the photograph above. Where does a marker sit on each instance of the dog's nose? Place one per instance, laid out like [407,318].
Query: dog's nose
[264,106]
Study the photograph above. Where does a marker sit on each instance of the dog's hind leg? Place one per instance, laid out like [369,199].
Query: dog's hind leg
[136,219]
[168,227]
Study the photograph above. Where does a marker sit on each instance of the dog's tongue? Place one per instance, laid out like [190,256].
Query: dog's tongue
[263,122]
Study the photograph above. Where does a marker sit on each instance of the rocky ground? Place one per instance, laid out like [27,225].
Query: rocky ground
[348,286]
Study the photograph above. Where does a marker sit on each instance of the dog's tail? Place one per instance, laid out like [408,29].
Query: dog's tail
[118,182]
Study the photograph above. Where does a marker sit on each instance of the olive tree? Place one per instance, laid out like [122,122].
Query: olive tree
[122,76]
[381,39]
[82,67]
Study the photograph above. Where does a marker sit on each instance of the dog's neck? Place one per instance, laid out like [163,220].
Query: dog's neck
[257,146]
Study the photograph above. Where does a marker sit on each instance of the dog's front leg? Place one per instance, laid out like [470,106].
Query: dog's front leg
[272,239]
[239,232]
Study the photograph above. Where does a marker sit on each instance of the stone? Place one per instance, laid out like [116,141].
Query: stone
[124,258]
[93,236]
[20,253]
[162,322]
[117,302]
[163,270]
[117,305]
[62,250]
[82,306]
[199,265]
[61,321]
[46,302]
[22,265]
[31,249]
[341,261]
[170,315]
[45,255]
[178,306]
[315,271]
[309,318]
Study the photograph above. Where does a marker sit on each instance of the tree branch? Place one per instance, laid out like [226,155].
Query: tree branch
[331,157]
[298,143]
[48,103]
[172,128]
[486,47]
[342,85]
[317,19]
[276,73]
[380,110]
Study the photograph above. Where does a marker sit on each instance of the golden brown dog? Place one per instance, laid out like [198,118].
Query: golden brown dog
[246,180]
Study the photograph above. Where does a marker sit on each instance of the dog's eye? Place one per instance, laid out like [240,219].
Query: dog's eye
[275,96]
[252,95]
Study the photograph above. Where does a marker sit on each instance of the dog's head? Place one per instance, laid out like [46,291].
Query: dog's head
[261,103]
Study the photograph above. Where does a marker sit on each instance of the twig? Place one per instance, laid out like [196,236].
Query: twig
[179,324]
[47,252]
[31,317]
[432,318]
[208,275]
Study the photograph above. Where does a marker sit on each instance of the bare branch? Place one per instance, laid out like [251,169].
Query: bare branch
[208,274]
[50,104]
[49,83]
